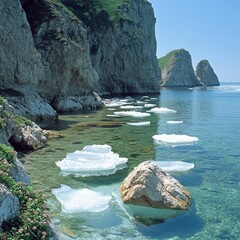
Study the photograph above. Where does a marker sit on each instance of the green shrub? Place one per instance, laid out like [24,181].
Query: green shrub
[7,153]
[32,222]
[20,121]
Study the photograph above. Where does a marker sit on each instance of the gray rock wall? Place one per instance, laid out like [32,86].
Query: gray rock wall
[9,205]
[206,74]
[124,55]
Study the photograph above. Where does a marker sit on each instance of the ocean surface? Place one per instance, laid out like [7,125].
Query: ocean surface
[210,114]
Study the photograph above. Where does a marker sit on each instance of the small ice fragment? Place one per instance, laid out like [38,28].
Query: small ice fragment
[81,200]
[174,139]
[174,166]
[132,114]
[162,110]
[150,105]
[174,122]
[130,107]
[139,124]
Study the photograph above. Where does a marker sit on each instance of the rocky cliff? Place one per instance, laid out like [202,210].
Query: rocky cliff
[124,53]
[177,70]
[52,53]
[206,74]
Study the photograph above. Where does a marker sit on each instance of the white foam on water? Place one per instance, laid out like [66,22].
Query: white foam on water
[130,107]
[149,105]
[162,110]
[174,122]
[81,200]
[174,139]
[174,166]
[132,114]
[94,160]
[139,124]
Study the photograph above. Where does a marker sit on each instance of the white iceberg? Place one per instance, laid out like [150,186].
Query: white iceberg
[174,122]
[150,105]
[174,139]
[130,107]
[132,114]
[162,110]
[81,200]
[94,160]
[139,123]
[174,166]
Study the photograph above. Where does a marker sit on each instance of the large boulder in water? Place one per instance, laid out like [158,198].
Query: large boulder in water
[148,185]
[206,74]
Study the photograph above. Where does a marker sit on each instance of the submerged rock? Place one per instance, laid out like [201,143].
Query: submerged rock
[149,185]
[206,74]
[177,70]
[9,205]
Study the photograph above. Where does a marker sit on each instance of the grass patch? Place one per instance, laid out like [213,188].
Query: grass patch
[7,153]
[20,121]
[169,59]
[98,13]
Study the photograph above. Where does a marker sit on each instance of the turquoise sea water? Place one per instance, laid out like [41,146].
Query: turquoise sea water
[210,114]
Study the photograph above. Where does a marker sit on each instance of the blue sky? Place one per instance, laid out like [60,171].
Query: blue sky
[208,29]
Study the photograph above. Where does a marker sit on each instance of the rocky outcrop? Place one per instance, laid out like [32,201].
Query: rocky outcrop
[18,172]
[148,185]
[9,205]
[20,132]
[177,70]
[206,74]
[124,53]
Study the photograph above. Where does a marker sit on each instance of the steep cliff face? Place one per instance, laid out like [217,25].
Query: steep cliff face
[20,63]
[206,74]
[124,54]
[122,44]
[46,61]
[61,39]
[177,70]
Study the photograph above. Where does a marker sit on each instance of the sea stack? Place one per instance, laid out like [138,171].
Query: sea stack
[206,74]
[177,70]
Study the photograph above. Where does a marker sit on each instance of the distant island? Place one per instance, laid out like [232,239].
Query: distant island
[177,71]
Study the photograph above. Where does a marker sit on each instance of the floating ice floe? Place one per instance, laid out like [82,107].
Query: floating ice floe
[174,122]
[139,124]
[81,200]
[94,160]
[174,166]
[162,110]
[174,139]
[150,105]
[130,107]
[114,103]
[132,114]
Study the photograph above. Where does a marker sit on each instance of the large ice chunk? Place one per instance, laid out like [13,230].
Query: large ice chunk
[174,166]
[81,200]
[162,110]
[94,160]
[139,123]
[132,114]
[174,139]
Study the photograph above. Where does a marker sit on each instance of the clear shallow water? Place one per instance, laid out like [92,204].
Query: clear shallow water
[212,115]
